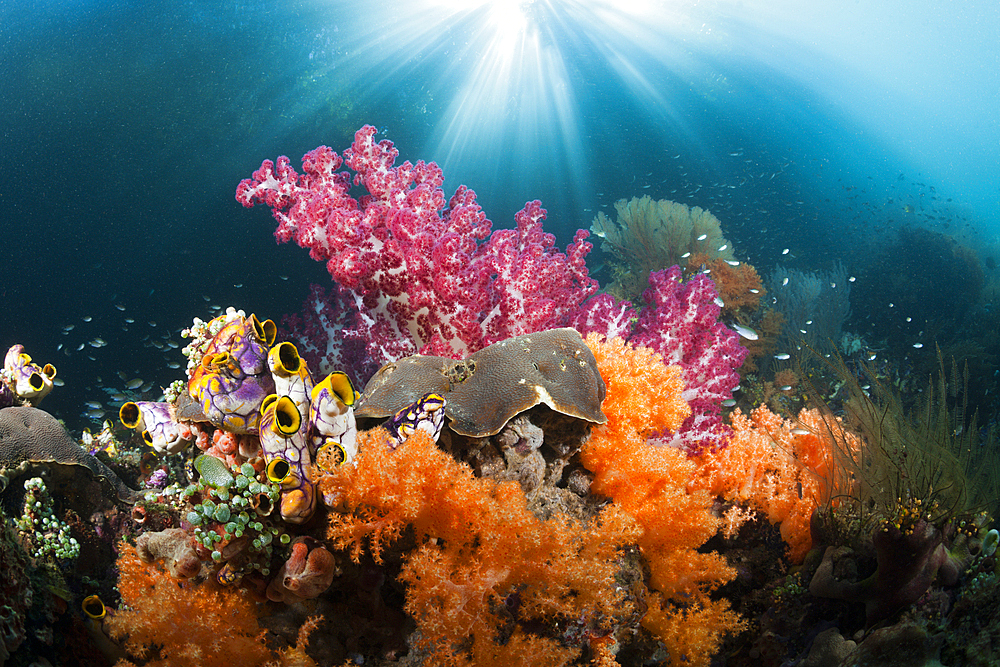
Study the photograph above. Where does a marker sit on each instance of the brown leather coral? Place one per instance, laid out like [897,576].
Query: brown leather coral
[488,388]
[29,436]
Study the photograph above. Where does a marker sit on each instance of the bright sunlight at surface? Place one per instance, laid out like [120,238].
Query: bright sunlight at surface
[513,76]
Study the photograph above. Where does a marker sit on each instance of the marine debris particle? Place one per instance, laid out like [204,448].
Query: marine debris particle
[487,389]
[32,436]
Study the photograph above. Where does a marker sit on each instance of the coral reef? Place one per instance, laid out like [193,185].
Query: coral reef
[531,497]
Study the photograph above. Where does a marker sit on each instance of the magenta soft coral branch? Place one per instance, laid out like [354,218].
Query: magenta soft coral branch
[425,276]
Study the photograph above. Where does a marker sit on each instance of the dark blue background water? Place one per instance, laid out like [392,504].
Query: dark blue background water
[125,127]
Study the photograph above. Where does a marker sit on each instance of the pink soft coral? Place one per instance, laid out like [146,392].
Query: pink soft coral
[422,274]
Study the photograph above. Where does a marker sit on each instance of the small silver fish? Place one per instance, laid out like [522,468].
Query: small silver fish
[134,383]
[87,318]
[783,356]
[785,251]
[784,282]
[703,237]
[729,402]
[745,332]
[119,306]
[723,247]
[918,345]
[787,387]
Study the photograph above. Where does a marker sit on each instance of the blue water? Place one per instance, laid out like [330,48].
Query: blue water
[126,127]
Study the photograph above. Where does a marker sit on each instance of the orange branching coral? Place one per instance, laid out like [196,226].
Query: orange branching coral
[174,623]
[739,286]
[650,484]
[768,327]
[483,558]
[784,469]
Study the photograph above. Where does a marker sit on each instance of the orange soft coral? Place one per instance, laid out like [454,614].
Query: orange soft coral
[739,286]
[199,625]
[483,558]
[783,469]
[650,484]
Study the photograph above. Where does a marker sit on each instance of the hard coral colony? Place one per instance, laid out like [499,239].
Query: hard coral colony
[523,496]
